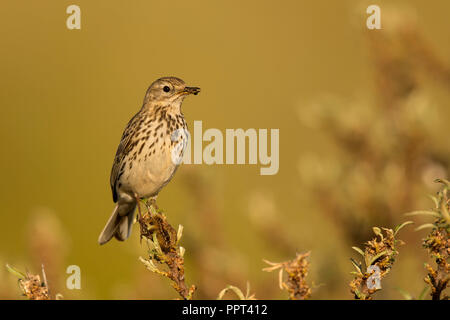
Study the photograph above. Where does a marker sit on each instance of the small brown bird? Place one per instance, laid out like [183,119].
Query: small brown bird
[149,153]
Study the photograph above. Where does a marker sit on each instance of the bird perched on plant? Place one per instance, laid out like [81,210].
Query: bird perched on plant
[149,153]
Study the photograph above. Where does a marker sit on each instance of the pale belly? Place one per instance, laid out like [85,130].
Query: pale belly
[150,172]
[150,177]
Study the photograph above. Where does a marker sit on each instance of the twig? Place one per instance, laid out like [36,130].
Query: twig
[31,285]
[379,256]
[297,271]
[437,243]
[164,246]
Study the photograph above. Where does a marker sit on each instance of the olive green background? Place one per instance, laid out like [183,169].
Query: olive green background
[66,96]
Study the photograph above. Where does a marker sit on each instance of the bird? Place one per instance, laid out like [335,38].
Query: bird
[149,153]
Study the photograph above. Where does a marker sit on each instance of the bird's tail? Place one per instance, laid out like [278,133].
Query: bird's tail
[119,224]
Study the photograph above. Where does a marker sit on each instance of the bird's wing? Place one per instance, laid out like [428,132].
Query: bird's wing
[122,150]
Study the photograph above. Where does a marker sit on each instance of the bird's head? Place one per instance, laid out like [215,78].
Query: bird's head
[168,91]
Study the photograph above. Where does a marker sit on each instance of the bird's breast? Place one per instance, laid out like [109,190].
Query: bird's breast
[157,151]
[153,168]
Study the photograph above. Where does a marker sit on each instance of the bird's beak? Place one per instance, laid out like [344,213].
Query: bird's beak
[190,90]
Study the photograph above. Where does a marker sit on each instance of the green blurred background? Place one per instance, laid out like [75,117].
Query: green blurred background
[363,118]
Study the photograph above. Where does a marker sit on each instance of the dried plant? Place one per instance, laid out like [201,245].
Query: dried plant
[437,243]
[164,249]
[379,256]
[238,292]
[297,271]
[32,286]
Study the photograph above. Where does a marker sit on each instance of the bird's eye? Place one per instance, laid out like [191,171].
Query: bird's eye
[166,89]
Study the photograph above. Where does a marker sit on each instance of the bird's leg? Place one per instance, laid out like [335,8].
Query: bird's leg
[138,205]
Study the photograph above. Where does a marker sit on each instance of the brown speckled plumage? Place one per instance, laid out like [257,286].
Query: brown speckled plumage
[148,153]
